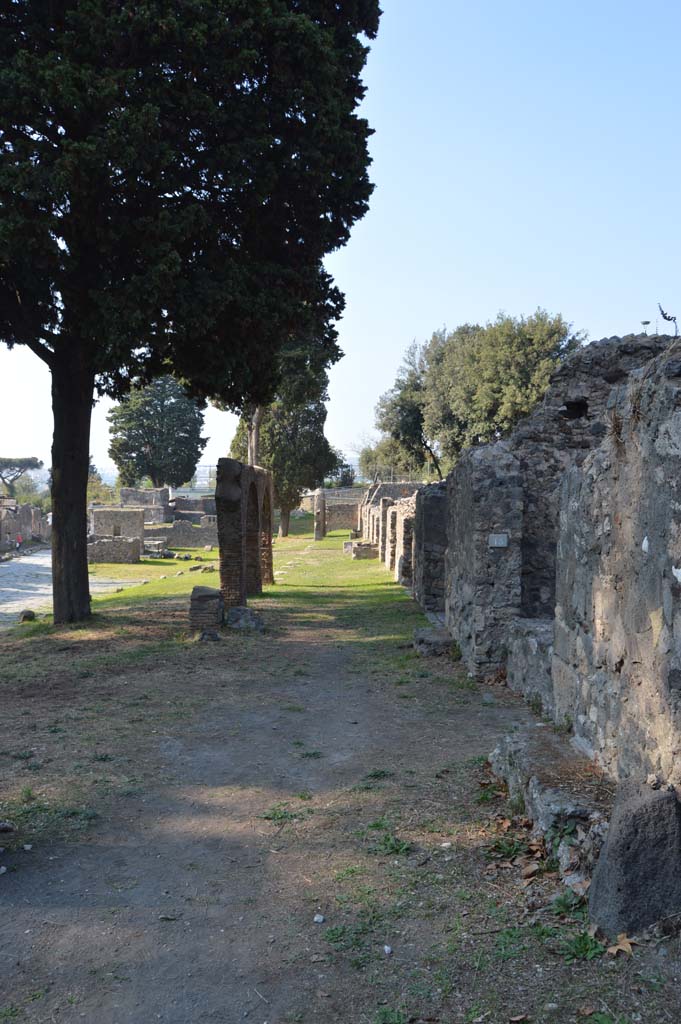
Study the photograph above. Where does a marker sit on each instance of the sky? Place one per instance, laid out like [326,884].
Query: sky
[524,155]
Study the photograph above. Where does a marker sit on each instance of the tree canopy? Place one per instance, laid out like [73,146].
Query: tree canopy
[464,387]
[156,432]
[12,470]
[399,413]
[171,177]
[293,447]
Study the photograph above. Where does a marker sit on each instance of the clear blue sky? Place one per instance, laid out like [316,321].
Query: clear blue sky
[525,154]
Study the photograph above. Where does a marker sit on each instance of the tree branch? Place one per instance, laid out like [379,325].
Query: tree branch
[42,352]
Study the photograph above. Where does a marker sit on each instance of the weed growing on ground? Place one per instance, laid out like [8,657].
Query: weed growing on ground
[280,814]
[581,946]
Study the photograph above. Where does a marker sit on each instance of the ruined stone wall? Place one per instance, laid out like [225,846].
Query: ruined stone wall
[430,546]
[181,534]
[244,503]
[140,497]
[114,549]
[483,561]
[340,515]
[617,648]
[117,522]
[26,520]
[372,499]
[391,538]
[405,511]
[560,433]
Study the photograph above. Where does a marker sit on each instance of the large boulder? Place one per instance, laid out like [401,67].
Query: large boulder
[637,880]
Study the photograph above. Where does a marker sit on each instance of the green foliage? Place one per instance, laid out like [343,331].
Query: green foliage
[172,178]
[293,447]
[465,387]
[387,459]
[12,470]
[156,432]
[582,946]
[399,413]
[480,381]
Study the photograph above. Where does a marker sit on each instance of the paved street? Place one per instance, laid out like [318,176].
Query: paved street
[26,582]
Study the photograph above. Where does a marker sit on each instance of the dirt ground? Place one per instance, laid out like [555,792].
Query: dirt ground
[194,809]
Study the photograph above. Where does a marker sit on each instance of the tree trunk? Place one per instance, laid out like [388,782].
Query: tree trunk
[284,522]
[72,390]
[254,435]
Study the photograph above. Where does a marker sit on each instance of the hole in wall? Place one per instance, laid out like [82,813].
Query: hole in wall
[576,409]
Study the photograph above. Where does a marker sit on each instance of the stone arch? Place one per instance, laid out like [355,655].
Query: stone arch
[266,568]
[252,543]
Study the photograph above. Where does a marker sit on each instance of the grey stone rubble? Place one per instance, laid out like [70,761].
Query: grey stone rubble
[432,642]
[244,618]
[560,791]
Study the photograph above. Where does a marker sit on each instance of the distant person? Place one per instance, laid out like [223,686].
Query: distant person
[20,541]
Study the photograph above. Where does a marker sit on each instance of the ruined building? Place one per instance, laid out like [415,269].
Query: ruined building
[244,505]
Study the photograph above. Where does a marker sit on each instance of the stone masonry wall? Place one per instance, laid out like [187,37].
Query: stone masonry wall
[114,549]
[560,433]
[483,562]
[117,522]
[430,546]
[404,540]
[617,648]
[340,515]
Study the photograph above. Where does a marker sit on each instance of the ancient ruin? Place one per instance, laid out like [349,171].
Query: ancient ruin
[26,521]
[244,505]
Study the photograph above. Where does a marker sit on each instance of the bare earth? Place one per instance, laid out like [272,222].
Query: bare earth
[244,787]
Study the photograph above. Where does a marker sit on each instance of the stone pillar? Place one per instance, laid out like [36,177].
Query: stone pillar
[319,514]
[228,499]
[383,526]
[391,540]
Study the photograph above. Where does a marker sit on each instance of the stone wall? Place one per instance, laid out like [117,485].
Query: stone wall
[430,546]
[181,534]
[26,520]
[560,433]
[117,522]
[244,503]
[405,511]
[483,561]
[140,497]
[617,652]
[114,549]
[340,515]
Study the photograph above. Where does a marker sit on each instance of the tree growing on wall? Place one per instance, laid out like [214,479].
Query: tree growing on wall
[156,432]
[399,413]
[293,447]
[171,178]
[480,381]
[12,470]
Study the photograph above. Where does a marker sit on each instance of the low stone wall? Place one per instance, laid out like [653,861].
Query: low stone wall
[114,549]
[530,659]
[181,534]
[430,546]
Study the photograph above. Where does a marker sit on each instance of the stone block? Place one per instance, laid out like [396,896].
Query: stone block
[363,550]
[206,608]
[430,643]
[637,880]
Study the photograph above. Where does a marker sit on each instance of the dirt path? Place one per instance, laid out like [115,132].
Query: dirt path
[317,770]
